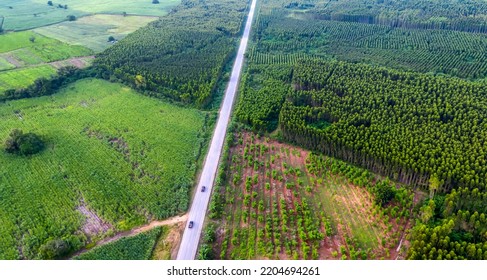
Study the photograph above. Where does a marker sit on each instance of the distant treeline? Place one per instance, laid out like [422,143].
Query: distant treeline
[466,16]
[475,25]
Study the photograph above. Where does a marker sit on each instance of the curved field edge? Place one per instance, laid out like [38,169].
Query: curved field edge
[113,160]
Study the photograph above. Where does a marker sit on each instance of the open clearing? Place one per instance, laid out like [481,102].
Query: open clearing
[93,31]
[279,206]
[126,158]
[27,14]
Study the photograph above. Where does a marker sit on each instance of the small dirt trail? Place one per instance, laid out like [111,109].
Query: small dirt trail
[135,231]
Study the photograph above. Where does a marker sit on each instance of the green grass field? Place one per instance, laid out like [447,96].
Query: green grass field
[138,247]
[125,157]
[5,65]
[18,40]
[20,78]
[27,14]
[93,31]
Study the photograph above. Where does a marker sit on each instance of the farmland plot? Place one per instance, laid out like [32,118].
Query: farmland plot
[27,14]
[283,202]
[111,156]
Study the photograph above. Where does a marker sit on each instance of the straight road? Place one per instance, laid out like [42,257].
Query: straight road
[191,236]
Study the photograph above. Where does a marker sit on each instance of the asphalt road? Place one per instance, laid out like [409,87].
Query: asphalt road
[191,236]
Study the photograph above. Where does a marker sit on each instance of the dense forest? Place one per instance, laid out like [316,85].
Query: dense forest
[180,56]
[452,227]
[418,121]
[282,37]
[415,128]
[411,127]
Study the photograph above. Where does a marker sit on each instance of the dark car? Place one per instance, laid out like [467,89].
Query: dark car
[203,188]
[190,224]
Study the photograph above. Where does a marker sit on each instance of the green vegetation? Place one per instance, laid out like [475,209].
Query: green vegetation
[23,77]
[5,65]
[410,127]
[29,48]
[181,56]
[23,143]
[415,14]
[282,37]
[407,126]
[19,40]
[54,249]
[93,31]
[276,201]
[137,247]
[452,227]
[49,53]
[124,157]
[29,14]
[422,129]
[24,55]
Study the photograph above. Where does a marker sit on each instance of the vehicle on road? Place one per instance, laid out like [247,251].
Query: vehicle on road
[203,189]
[191,223]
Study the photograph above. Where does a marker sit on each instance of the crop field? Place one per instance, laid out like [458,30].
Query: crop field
[29,48]
[23,59]
[19,78]
[283,202]
[5,65]
[138,247]
[80,62]
[113,159]
[27,14]
[93,31]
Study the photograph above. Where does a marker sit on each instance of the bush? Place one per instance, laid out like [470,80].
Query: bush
[54,249]
[24,144]
[384,193]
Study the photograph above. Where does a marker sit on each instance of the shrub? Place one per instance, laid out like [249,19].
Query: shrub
[24,144]
[54,249]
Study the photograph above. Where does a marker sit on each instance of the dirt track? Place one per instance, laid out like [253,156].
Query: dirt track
[135,231]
